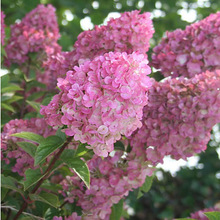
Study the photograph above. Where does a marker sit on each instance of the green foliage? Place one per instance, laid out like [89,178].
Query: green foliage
[213,215]
[48,198]
[47,147]
[117,210]
[29,136]
[146,186]
[80,167]
[32,177]
[28,147]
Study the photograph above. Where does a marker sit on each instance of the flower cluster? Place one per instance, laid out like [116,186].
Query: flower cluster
[2,28]
[179,116]
[199,215]
[191,51]
[10,149]
[38,31]
[128,33]
[111,180]
[101,100]
[74,216]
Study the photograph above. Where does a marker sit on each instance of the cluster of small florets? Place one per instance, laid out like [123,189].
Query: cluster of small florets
[101,100]
[38,31]
[179,116]
[10,149]
[199,215]
[191,51]
[2,28]
[111,179]
[128,33]
[74,216]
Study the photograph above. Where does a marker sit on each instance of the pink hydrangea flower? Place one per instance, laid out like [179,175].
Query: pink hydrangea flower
[10,150]
[37,32]
[128,33]
[191,51]
[179,117]
[101,100]
[111,179]
[2,28]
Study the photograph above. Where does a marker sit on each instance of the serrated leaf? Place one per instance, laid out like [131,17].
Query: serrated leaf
[81,169]
[32,177]
[146,186]
[34,105]
[28,147]
[10,183]
[61,134]
[29,136]
[117,210]
[48,198]
[7,107]
[46,147]
[212,215]
[11,88]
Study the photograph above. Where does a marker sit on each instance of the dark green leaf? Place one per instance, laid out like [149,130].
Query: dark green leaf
[32,177]
[146,186]
[34,105]
[28,147]
[10,183]
[14,99]
[35,96]
[119,146]
[61,134]
[4,81]
[29,136]
[81,169]
[3,193]
[117,210]
[7,107]
[212,215]
[46,147]
[48,198]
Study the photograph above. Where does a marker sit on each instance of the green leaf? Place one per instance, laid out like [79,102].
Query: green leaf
[8,107]
[5,80]
[48,198]
[11,88]
[35,83]
[28,147]
[212,215]
[46,147]
[117,210]
[146,186]
[81,150]
[35,96]
[34,105]
[81,169]
[119,146]
[32,177]
[29,136]
[14,99]
[10,183]
[4,192]
[61,134]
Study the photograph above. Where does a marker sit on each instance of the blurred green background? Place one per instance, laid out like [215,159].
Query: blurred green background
[190,189]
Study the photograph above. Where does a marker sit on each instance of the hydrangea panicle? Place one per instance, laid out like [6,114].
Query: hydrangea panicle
[37,31]
[179,117]
[191,51]
[101,100]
